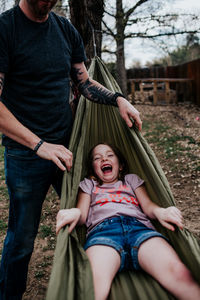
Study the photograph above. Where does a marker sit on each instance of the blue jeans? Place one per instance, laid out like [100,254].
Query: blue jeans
[125,234]
[28,178]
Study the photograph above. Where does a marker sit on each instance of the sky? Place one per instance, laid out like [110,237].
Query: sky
[140,51]
[137,51]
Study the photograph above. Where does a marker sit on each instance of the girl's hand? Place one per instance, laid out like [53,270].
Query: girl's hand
[67,216]
[168,216]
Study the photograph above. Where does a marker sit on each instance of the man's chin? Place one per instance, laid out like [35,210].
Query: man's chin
[43,11]
[42,15]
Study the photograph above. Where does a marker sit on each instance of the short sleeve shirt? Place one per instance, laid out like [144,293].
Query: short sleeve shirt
[36,59]
[109,200]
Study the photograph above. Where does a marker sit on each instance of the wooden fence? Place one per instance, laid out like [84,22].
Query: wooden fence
[190,70]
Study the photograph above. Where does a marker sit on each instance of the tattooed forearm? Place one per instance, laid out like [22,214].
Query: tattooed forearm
[76,75]
[1,82]
[91,89]
[97,93]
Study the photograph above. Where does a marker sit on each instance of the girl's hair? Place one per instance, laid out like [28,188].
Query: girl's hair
[122,162]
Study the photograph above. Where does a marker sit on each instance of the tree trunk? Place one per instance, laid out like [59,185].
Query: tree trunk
[86,16]
[121,70]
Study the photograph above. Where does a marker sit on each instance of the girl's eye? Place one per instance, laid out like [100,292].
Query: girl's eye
[96,158]
[110,155]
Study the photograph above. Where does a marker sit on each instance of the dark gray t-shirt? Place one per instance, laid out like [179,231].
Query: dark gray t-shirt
[36,59]
[117,199]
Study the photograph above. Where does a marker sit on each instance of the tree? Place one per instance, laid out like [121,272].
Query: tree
[187,52]
[144,19]
[86,16]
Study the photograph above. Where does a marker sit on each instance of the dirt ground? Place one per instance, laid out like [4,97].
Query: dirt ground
[173,132]
[178,150]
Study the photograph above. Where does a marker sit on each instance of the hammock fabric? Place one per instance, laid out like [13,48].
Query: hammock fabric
[71,277]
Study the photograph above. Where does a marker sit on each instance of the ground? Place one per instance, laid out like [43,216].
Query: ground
[173,132]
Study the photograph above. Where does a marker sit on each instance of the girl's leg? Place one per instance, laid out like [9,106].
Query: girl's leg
[105,262]
[160,260]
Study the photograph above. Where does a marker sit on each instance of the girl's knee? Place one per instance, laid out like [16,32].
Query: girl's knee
[180,273]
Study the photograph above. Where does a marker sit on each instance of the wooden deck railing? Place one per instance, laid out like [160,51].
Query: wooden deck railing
[155,83]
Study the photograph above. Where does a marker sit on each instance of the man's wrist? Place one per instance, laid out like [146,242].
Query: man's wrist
[38,146]
[116,95]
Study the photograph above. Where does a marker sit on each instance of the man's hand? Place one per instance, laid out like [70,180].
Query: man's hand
[128,111]
[67,216]
[59,154]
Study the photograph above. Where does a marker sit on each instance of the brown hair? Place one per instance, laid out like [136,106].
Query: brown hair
[122,162]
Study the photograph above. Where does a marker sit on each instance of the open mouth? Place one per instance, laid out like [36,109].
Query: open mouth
[106,169]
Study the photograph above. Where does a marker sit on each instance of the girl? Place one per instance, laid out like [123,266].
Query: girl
[116,209]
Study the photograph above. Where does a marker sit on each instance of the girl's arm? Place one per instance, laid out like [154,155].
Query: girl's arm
[76,215]
[166,216]
[83,204]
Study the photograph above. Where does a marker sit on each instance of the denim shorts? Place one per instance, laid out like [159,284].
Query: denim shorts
[125,235]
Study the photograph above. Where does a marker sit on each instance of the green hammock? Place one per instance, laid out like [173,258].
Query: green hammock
[71,277]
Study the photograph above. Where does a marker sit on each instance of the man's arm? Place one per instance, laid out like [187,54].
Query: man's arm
[94,91]
[11,127]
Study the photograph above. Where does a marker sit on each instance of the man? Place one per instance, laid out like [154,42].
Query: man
[39,53]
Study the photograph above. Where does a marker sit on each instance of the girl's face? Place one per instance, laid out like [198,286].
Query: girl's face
[105,164]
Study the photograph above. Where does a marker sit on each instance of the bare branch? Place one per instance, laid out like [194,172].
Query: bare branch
[150,36]
[132,9]
[161,18]
[109,30]
[108,13]
[105,50]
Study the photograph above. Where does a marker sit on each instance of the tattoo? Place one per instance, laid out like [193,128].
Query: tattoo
[76,74]
[1,82]
[95,93]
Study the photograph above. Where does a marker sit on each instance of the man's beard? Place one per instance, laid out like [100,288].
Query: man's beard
[40,9]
